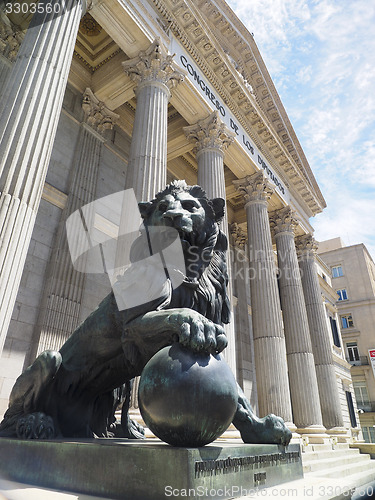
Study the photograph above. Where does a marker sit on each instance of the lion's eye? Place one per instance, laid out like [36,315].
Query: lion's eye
[163,207]
[189,205]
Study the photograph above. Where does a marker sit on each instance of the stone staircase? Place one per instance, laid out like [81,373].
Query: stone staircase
[339,462]
[331,472]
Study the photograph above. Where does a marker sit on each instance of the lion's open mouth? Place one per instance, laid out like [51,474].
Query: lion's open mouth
[187,238]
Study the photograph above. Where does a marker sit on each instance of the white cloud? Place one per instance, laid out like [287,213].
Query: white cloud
[321,56]
[347,217]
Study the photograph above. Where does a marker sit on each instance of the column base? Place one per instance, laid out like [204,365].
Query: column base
[339,434]
[296,438]
[314,434]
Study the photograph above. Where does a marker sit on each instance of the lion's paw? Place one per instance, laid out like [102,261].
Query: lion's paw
[35,426]
[197,332]
[268,430]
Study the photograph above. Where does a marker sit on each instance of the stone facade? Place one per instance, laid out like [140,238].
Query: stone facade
[353,280]
[144,95]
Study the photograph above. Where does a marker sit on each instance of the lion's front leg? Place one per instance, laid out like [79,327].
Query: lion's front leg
[267,430]
[157,329]
[197,332]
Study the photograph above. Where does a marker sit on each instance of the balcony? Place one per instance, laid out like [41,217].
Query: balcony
[366,406]
[363,360]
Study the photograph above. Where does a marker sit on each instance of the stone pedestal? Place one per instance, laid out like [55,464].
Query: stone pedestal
[301,369]
[211,138]
[269,341]
[29,114]
[149,470]
[320,336]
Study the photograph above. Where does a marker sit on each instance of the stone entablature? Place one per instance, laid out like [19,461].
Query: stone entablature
[233,87]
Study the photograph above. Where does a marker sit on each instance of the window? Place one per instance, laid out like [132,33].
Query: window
[352,351]
[361,394]
[337,272]
[335,333]
[347,321]
[349,400]
[368,434]
[343,295]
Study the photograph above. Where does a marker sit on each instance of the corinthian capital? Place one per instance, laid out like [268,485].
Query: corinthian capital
[154,65]
[238,235]
[283,220]
[10,38]
[97,115]
[255,187]
[210,132]
[306,246]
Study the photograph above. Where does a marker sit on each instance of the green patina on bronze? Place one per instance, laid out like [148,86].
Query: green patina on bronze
[74,392]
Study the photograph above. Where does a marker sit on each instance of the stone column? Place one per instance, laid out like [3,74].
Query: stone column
[242,315]
[320,337]
[269,342]
[29,114]
[301,369]
[156,74]
[212,137]
[60,310]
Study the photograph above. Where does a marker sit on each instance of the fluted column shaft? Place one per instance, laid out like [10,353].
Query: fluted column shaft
[320,337]
[61,303]
[243,327]
[155,74]
[211,138]
[147,165]
[31,105]
[301,369]
[269,341]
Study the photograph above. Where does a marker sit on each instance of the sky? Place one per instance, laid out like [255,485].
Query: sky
[321,57]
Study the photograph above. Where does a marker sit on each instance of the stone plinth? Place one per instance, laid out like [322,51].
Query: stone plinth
[123,469]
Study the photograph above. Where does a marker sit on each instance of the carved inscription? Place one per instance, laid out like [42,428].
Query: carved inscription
[236,464]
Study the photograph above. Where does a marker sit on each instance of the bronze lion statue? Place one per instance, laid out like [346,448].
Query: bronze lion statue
[74,392]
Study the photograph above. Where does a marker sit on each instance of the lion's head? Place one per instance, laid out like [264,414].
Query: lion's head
[185,208]
[188,210]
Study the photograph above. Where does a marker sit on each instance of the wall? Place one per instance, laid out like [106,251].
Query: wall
[21,339]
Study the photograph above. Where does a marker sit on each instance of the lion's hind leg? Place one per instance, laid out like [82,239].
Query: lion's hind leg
[26,399]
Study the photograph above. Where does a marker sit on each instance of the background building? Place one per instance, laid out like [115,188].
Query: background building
[133,96]
[353,279]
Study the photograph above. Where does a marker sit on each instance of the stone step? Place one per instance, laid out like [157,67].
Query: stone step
[324,464]
[325,447]
[332,453]
[345,470]
[318,488]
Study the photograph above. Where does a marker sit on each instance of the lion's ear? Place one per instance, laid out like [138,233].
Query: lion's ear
[144,208]
[218,205]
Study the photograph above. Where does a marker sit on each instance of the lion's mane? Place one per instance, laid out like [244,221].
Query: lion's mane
[205,287]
